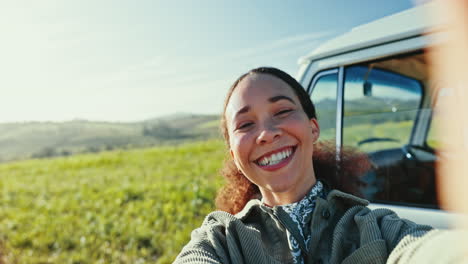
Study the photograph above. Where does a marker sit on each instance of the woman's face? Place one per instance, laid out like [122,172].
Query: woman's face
[270,136]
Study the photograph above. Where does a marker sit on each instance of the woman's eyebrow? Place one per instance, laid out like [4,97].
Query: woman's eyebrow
[275,99]
[243,110]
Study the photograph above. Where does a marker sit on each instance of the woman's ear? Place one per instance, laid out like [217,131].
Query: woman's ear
[315,128]
[235,161]
[233,157]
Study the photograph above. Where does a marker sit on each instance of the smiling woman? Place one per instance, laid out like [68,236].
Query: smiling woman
[291,104]
[288,198]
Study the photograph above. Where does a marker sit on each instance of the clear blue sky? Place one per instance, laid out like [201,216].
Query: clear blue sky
[135,60]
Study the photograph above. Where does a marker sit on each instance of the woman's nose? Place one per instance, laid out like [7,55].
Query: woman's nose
[268,133]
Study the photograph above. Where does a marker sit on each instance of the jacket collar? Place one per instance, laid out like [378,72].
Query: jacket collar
[249,207]
[335,197]
[339,197]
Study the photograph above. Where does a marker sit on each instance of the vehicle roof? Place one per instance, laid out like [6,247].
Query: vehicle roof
[408,23]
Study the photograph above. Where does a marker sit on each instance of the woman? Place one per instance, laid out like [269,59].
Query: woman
[284,199]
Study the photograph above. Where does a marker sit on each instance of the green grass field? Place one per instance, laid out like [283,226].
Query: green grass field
[134,206]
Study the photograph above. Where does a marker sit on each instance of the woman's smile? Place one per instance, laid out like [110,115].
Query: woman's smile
[276,159]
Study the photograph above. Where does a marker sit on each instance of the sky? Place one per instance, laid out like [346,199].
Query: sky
[136,60]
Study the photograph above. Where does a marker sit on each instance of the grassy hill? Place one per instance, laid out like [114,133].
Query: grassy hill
[121,206]
[50,139]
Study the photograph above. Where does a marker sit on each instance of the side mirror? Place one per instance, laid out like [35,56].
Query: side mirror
[367,88]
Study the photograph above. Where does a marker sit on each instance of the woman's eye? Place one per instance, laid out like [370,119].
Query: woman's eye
[245,125]
[283,112]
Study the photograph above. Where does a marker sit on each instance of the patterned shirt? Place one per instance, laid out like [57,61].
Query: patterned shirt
[301,214]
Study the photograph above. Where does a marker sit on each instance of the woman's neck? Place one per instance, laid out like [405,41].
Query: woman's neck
[293,195]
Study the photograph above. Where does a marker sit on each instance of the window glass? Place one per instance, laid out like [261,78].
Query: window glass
[324,99]
[380,108]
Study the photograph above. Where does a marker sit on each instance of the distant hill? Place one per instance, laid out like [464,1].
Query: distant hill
[49,139]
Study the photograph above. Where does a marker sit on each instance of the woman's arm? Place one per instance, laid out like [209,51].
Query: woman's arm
[437,246]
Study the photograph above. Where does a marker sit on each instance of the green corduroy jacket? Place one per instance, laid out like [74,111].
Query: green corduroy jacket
[343,230]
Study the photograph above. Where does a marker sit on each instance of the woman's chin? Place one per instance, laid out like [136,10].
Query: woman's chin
[280,189]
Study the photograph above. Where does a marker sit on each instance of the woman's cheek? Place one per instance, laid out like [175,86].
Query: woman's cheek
[240,146]
[294,123]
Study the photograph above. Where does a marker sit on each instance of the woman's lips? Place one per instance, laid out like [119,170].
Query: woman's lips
[270,163]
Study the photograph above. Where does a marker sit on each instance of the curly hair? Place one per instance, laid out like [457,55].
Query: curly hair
[339,170]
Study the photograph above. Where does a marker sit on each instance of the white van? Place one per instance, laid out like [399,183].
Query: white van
[372,91]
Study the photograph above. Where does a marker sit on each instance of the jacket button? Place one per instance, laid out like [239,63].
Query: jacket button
[326,214]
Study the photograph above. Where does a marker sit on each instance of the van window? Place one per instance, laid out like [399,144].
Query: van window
[324,99]
[380,108]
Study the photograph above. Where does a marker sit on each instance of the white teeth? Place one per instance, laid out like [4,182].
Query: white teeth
[275,158]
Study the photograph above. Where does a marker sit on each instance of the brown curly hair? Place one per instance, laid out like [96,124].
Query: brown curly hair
[339,170]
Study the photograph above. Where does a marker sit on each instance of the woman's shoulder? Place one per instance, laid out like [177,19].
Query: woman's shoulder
[218,221]
[222,218]
[228,238]
[208,242]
